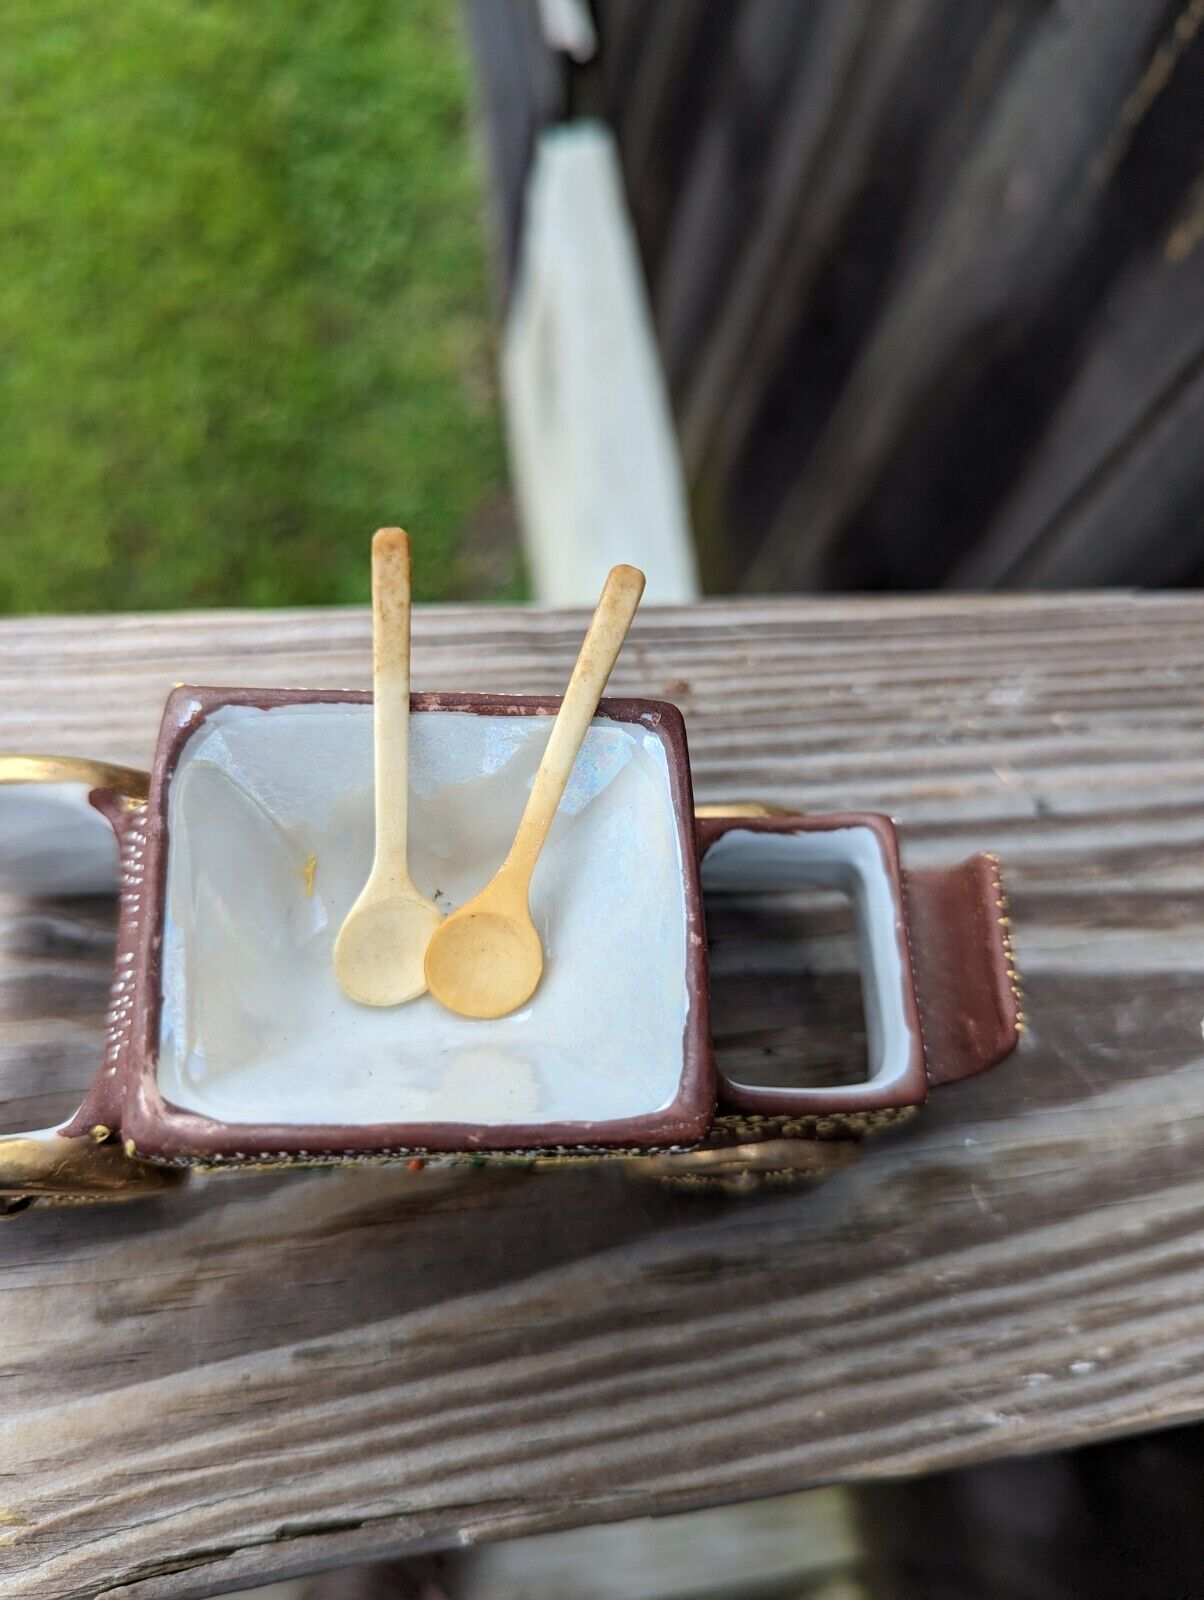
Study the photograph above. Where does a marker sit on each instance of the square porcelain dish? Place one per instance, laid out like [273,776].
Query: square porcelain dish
[258,836]
[227,1039]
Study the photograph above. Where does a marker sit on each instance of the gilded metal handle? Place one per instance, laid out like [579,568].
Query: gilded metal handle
[741,808]
[746,1168]
[50,1167]
[127,781]
[45,1165]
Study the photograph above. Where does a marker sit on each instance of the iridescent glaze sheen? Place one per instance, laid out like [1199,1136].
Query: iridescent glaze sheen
[271,834]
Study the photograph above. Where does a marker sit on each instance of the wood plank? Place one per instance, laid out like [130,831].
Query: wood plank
[665,92]
[268,1375]
[1140,509]
[803,196]
[1136,378]
[864,137]
[1023,210]
[723,187]
[522,85]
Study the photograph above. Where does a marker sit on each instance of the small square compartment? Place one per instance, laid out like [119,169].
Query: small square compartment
[858,855]
[787,1007]
[260,838]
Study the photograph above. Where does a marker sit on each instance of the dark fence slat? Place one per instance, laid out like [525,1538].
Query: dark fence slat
[522,86]
[1141,512]
[725,187]
[774,263]
[665,101]
[1011,229]
[1147,342]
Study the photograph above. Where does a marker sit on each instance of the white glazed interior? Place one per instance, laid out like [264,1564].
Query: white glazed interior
[53,841]
[254,1028]
[851,860]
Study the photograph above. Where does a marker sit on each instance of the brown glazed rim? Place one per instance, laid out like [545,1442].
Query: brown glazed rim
[160,1130]
[912,1087]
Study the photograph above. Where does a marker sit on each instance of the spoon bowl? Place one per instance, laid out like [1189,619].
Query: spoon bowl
[378,955]
[489,964]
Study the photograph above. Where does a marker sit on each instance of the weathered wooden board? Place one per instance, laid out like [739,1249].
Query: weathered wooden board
[268,1375]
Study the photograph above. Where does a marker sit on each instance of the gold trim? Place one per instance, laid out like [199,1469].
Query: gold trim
[743,1168]
[762,1156]
[50,1167]
[128,781]
[59,1168]
[743,808]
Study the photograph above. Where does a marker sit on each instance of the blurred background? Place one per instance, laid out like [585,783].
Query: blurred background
[904,293]
[244,311]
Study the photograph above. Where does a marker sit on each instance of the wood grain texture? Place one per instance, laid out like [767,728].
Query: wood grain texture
[926,282]
[268,1375]
[1016,219]
[521,86]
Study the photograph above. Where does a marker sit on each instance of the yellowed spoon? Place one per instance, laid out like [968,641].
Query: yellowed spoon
[485,960]
[378,955]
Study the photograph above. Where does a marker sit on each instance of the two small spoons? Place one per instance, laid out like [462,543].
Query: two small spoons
[486,959]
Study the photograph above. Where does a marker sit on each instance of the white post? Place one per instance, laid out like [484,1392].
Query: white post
[592,446]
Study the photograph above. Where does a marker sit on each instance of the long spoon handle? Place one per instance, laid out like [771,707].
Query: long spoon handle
[603,641]
[391,699]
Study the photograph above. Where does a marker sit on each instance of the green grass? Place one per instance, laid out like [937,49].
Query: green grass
[243,304]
